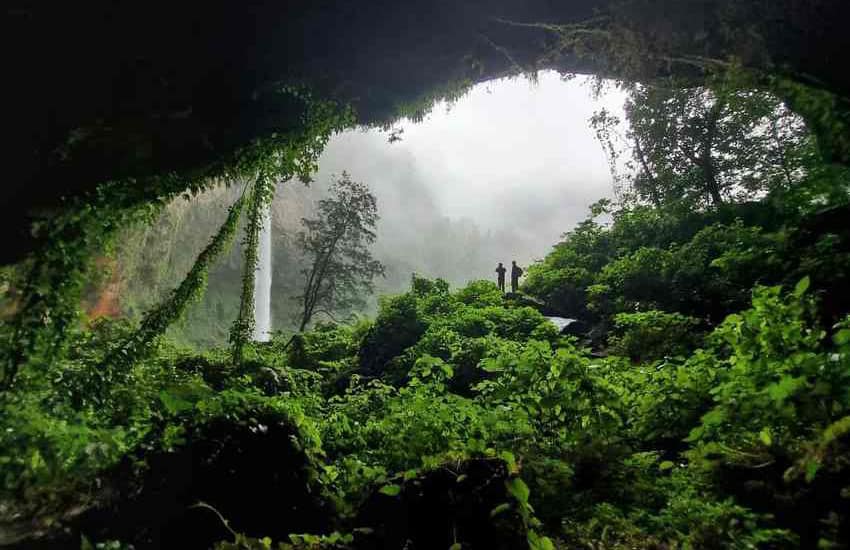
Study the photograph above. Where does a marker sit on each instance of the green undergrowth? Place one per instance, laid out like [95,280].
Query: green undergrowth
[705,403]
[721,446]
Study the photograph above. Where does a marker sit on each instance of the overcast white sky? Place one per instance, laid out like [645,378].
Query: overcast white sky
[512,155]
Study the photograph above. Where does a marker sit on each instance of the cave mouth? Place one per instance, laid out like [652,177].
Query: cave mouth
[253,96]
[671,371]
[498,174]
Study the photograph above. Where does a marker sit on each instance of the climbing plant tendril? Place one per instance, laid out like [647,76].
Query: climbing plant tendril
[243,327]
[296,157]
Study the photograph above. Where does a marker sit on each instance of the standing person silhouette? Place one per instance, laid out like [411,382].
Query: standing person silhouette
[500,271]
[516,273]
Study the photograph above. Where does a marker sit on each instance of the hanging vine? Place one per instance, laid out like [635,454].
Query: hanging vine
[157,320]
[243,327]
[291,157]
[48,302]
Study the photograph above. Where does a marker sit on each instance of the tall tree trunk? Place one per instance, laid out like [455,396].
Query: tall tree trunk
[709,169]
[711,183]
[653,182]
[314,282]
[783,157]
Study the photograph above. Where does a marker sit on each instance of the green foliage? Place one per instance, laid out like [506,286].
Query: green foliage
[417,109]
[262,192]
[279,159]
[825,113]
[480,294]
[699,264]
[296,542]
[618,451]
[325,346]
[397,327]
[780,384]
[674,395]
[711,412]
[653,335]
[56,273]
[49,300]
[704,146]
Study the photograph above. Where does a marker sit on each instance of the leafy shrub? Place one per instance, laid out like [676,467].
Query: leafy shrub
[480,294]
[397,327]
[651,335]
[562,289]
[637,280]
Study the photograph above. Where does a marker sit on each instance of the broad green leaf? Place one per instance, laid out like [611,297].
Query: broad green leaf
[842,337]
[173,403]
[812,468]
[518,489]
[695,434]
[714,417]
[390,490]
[786,386]
[666,465]
[765,437]
[499,509]
[510,460]
[538,542]
[491,365]
[802,286]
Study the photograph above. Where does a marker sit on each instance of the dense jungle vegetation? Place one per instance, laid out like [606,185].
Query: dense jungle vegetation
[701,400]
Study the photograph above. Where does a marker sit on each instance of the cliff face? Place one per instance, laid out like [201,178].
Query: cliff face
[105,298]
[151,260]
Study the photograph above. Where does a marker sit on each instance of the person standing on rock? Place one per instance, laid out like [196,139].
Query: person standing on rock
[500,272]
[516,273]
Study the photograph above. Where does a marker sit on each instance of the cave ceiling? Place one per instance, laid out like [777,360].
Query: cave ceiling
[102,90]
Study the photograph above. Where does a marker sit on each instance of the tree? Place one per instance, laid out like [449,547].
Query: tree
[336,243]
[704,145]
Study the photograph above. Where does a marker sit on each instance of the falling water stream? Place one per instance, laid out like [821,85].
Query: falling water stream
[263,281]
[561,322]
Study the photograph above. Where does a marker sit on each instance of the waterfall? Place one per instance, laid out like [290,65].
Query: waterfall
[263,281]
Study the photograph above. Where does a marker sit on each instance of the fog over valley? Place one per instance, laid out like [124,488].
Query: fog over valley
[500,175]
